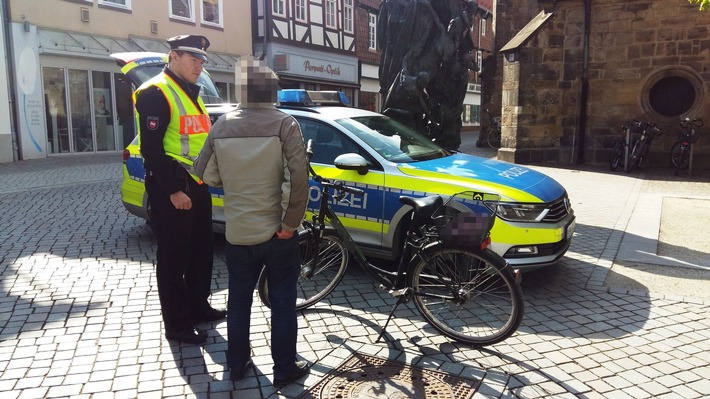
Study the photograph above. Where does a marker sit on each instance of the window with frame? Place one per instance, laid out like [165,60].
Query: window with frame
[372,29]
[278,8]
[182,9]
[483,26]
[212,12]
[126,4]
[330,12]
[299,10]
[348,16]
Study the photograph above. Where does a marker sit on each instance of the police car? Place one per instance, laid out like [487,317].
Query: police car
[387,159]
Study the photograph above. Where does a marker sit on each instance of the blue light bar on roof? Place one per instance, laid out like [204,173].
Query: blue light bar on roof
[308,97]
[293,97]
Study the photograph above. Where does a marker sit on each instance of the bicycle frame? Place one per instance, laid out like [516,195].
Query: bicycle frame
[389,280]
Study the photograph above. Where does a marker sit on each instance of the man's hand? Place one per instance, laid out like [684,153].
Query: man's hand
[283,234]
[180,200]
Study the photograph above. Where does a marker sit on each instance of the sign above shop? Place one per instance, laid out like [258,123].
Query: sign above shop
[312,67]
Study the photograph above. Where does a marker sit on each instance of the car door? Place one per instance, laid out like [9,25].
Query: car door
[362,216]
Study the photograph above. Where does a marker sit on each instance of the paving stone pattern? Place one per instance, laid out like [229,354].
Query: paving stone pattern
[80,318]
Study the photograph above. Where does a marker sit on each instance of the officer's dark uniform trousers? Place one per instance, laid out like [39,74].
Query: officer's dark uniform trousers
[184,273]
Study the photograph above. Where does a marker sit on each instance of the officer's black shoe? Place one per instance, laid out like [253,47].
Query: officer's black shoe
[210,315]
[192,336]
[300,369]
[238,374]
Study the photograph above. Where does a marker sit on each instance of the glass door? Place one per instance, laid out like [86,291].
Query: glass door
[103,111]
[80,109]
[125,120]
[55,95]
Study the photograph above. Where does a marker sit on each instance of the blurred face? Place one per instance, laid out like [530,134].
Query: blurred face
[186,66]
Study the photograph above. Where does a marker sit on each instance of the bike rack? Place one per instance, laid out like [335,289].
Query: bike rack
[690,160]
[626,149]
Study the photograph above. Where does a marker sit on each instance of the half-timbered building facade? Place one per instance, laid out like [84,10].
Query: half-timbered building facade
[309,43]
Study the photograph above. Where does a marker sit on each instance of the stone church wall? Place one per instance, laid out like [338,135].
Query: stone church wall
[648,60]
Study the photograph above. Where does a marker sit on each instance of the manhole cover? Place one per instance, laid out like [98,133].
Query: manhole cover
[367,377]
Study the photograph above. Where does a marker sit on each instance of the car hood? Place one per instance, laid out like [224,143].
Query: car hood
[512,182]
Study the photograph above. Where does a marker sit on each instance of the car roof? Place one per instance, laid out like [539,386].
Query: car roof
[327,112]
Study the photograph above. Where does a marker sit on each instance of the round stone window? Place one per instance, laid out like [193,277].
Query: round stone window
[672,92]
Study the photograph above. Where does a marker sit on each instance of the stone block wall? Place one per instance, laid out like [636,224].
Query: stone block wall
[646,59]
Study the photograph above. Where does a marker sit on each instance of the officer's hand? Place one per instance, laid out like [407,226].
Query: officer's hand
[283,234]
[180,200]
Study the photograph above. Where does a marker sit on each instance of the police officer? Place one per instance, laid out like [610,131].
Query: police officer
[173,127]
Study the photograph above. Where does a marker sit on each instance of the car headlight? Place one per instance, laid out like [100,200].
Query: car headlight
[522,212]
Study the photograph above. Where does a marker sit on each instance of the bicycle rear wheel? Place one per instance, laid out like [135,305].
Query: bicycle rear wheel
[323,264]
[679,155]
[469,296]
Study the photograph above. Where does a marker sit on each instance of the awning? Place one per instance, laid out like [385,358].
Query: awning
[521,37]
[82,45]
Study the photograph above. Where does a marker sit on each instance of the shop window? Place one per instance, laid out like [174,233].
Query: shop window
[103,111]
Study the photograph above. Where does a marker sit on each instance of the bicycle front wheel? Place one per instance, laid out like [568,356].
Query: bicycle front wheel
[493,138]
[323,264]
[679,155]
[469,296]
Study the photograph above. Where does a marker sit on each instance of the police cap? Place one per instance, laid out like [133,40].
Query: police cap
[195,44]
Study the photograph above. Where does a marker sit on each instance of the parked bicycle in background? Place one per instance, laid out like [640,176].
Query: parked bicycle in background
[623,144]
[494,130]
[641,147]
[681,149]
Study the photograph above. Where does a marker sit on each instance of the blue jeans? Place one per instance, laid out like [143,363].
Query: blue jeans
[282,259]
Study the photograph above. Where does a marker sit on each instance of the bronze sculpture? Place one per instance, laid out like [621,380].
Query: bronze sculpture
[426,56]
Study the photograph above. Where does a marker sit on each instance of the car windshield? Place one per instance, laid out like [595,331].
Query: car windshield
[208,90]
[393,140]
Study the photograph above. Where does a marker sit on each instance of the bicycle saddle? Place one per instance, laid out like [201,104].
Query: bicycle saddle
[427,205]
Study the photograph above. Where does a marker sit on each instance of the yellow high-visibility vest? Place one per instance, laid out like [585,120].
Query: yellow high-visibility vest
[189,123]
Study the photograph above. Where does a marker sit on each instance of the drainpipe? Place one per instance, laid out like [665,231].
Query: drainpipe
[584,95]
[266,30]
[11,84]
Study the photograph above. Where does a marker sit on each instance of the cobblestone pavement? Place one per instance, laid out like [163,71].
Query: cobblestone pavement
[79,312]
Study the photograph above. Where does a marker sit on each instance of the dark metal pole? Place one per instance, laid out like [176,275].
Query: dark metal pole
[584,97]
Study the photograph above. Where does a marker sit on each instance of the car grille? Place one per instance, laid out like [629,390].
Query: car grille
[559,209]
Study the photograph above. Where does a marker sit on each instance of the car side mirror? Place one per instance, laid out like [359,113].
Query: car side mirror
[352,161]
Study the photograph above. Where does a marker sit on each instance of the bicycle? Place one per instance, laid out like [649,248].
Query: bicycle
[463,289]
[494,130]
[639,151]
[680,151]
[622,144]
